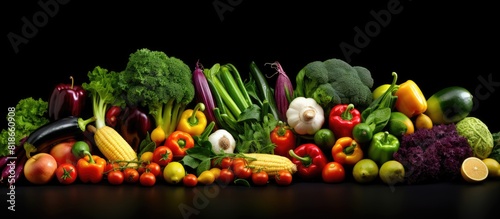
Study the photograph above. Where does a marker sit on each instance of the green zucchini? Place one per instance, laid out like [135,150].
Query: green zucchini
[449,105]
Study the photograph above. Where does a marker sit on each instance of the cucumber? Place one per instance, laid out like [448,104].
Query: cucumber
[449,105]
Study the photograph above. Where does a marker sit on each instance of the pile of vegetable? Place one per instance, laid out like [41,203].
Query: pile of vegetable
[158,119]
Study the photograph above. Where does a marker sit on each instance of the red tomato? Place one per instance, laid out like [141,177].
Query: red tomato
[260,178]
[242,171]
[147,179]
[131,175]
[110,166]
[226,162]
[141,168]
[333,172]
[237,161]
[66,173]
[190,180]
[162,155]
[116,177]
[154,168]
[283,178]
[226,176]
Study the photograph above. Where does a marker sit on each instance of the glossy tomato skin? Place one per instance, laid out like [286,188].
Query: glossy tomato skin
[131,175]
[333,172]
[260,178]
[116,177]
[162,155]
[242,171]
[66,173]
[190,180]
[154,168]
[226,176]
[147,179]
[283,178]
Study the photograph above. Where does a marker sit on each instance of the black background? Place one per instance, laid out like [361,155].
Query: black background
[434,44]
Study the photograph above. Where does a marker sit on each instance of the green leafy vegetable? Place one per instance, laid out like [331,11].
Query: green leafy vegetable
[103,90]
[29,114]
[161,83]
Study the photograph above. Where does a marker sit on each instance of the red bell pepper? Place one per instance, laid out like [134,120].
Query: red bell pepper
[133,123]
[179,142]
[342,119]
[91,168]
[310,160]
[66,100]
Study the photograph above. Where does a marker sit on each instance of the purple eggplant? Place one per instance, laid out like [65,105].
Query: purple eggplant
[203,92]
[133,124]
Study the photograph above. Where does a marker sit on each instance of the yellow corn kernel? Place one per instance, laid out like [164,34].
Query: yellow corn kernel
[270,163]
[113,146]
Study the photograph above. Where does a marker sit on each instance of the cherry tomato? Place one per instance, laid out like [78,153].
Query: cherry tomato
[333,172]
[66,173]
[260,178]
[110,166]
[131,175]
[242,171]
[226,176]
[116,177]
[147,179]
[283,178]
[237,161]
[190,180]
[226,162]
[154,168]
[141,168]
[162,155]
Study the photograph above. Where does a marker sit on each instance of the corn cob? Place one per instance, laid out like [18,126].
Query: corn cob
[270,163]
[113,146]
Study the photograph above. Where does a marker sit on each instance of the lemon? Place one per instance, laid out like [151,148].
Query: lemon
[174,172]
[146,156]
[206,177]
[493,167]
[380,90]
[423,121]
[216,172]
[392,172]
[474,170]
[365,171]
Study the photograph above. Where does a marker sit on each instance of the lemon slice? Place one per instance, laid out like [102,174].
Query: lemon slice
[474,170]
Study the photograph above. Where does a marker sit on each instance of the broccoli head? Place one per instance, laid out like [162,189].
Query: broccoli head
[161,83]
[333,82]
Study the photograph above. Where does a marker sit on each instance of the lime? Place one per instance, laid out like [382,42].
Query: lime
[325,139]
[362,133]
[365,171]
[392,172]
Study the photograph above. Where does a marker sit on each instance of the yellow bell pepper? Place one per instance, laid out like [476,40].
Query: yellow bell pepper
[193,121]
[411,101]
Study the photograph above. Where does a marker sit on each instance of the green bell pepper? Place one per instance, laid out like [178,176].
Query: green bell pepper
[382,147]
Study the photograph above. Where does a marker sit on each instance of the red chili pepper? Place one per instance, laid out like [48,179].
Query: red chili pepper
[179,142]
[309,159]
[342,119]
[66,100]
